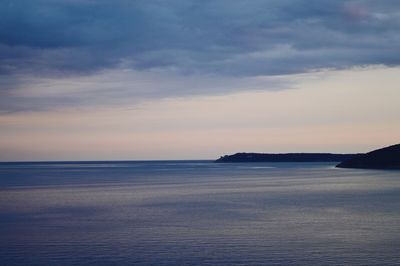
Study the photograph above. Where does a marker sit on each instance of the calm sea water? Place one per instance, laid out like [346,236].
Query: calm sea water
[197,213]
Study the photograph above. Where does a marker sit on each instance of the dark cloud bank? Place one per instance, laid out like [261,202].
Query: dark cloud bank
[56,38]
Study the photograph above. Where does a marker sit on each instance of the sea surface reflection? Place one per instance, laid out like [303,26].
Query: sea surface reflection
[197,212]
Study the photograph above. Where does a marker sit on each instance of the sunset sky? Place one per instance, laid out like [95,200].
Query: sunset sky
[186,79]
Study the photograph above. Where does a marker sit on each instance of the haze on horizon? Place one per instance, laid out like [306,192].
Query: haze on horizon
[106,80]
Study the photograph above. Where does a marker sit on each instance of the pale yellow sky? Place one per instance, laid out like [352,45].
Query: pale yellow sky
[331,111]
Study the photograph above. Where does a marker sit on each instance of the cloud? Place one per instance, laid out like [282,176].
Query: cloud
[118,87]
[57,39]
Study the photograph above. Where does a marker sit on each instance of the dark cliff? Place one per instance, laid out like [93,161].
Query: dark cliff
[385,158]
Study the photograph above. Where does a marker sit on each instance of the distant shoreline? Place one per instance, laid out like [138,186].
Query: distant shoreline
[384,158]
[285,157]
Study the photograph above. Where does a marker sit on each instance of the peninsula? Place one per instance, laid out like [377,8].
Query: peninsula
[285,157]
[385,158]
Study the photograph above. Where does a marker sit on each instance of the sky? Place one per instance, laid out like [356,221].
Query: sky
[186,79]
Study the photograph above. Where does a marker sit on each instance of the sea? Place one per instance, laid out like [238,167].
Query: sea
[197,213]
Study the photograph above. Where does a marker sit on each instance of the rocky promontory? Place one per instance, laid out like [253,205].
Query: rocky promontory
[385,158]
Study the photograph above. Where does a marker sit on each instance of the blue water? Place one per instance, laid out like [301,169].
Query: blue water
[197,213]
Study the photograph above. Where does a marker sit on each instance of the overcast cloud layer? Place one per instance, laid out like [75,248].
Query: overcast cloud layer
[157,43]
